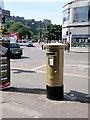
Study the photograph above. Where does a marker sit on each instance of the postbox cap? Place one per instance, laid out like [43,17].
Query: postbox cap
[55,45]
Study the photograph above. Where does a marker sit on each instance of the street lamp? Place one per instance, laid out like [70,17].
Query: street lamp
[59,34]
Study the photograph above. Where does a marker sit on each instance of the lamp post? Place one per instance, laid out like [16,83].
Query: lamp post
[59,34]
[42,30]
[68,33]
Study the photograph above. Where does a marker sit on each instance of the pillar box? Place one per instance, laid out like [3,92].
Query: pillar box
[54,84]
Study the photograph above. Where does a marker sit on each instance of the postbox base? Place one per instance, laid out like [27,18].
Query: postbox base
[54,93]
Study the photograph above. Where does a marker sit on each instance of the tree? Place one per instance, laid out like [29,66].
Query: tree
[21,29]
[35,37]
[53,32]
[16,24]
[7,24]
[32,20]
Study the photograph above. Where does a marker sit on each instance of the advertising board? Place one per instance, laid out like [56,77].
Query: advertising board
[4,60]
[13,36]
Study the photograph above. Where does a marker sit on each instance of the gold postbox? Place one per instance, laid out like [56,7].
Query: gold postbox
[54,85]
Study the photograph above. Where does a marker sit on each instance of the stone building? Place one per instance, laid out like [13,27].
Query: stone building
[76,23]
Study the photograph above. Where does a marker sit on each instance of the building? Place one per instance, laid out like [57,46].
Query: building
[3,13]
[1,7]
[76,23]
[46,21]
[1,4]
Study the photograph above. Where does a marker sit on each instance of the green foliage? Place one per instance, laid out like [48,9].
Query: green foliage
[53,32]
[35,37]
[32,20]
[21,29]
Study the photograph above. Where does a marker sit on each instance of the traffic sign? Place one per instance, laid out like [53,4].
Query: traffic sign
[5,12]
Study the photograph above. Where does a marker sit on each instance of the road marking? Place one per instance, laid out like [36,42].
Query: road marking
[35,48]
[38,71]
[75,75]
[38,67]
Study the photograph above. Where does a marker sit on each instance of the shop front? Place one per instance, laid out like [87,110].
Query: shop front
[80,40]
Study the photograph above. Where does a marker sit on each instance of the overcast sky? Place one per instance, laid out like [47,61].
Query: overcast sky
[37,9]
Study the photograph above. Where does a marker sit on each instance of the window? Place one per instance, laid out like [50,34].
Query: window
[89,14]
[81,14]
[66,16]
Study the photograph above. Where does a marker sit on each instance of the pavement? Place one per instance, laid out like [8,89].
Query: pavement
[80,49]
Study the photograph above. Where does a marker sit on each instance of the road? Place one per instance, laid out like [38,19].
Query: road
[27,96]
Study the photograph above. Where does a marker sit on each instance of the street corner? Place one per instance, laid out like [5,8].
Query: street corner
[68,99]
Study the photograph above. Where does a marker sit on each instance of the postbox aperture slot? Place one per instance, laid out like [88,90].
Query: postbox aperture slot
[50,53]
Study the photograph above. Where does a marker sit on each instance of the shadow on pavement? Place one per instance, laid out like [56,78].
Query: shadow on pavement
[22,57]
[73,96]
[77,96]
[26,90]
[18,71]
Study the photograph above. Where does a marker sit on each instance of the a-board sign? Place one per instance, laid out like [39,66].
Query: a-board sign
[4,60]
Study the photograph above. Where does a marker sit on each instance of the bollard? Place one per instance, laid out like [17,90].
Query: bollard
[54,84]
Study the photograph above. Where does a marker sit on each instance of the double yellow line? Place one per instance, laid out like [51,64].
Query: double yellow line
[77,75]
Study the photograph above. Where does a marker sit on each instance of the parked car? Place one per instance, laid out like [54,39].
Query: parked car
[15,50]
[29,44]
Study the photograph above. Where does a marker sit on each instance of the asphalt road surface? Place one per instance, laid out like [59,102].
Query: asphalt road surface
[27,96]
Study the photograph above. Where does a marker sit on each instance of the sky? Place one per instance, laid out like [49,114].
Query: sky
[37,9]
